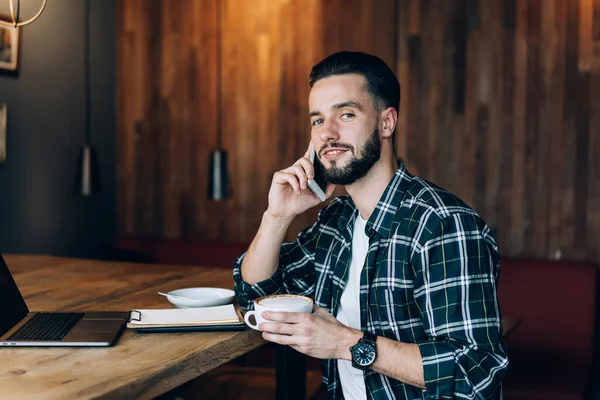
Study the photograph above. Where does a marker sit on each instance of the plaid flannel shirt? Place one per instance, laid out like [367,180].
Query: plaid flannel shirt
[429,278]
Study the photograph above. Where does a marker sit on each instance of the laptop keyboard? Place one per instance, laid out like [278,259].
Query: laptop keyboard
[47,327]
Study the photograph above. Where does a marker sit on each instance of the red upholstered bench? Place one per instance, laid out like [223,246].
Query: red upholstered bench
[551,350]
[213,253]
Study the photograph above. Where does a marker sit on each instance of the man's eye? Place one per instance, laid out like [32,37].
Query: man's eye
[317,122]
[347,115]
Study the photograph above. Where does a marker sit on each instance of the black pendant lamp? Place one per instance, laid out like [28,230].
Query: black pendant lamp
[88,173]
[218,180]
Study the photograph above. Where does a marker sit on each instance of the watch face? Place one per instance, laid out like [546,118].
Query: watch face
[363,354]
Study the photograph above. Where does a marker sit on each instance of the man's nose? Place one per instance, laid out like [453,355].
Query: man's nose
[329,133]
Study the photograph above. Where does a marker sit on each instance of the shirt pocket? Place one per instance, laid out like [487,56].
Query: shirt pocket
[395,310]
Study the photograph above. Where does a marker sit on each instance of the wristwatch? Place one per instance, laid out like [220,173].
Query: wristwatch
[364,352]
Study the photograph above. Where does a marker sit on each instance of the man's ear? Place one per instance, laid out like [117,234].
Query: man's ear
[390,118]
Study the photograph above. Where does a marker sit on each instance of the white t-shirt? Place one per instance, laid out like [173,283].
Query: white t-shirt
[352,379]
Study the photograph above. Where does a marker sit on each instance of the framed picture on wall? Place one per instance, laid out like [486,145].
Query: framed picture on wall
[3,113]
[9,47]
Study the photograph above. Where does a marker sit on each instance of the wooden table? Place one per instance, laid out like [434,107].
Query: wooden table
[139,365]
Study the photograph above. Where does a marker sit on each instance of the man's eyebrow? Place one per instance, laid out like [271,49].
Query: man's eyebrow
[352,104]
[337,106]
[313,114]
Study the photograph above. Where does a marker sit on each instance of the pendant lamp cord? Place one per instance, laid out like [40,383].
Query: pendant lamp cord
[15,15]
[88,133]
[219,77]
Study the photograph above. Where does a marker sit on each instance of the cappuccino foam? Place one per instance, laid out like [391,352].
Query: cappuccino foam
[284,301]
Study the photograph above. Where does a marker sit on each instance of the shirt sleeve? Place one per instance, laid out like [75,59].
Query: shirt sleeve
[455,288]
[295,273]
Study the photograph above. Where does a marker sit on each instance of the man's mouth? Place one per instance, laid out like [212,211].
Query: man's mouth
[333,152]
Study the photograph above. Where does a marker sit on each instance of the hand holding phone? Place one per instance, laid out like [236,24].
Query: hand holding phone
[292,192]
[318,185]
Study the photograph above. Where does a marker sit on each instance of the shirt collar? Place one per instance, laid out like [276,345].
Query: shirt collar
[383,216]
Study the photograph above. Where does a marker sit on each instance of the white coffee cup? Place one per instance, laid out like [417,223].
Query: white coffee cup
[279,303]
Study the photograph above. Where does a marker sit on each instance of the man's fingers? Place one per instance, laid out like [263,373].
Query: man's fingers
[276,327]
[283,177]
[309,169]
[298,170]
[281,339]
[307,154]
[297,348]
[302,169]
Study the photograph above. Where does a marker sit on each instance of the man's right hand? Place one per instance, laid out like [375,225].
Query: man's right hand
[289,194]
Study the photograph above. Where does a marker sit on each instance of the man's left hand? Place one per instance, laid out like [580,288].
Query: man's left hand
[318,335]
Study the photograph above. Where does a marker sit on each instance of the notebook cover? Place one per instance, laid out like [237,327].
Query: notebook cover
[198,328]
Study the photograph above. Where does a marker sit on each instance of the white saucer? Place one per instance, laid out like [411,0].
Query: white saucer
[201,297]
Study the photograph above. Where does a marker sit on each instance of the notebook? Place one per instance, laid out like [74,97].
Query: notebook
[219,318]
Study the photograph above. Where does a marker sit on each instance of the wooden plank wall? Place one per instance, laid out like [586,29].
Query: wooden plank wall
[500,105]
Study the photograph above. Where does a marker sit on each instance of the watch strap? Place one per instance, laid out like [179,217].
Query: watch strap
[369,338]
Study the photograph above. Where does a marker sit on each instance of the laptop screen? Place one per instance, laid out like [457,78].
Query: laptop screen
[12,306]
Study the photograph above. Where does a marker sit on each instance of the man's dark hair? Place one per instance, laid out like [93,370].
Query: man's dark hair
[382,83]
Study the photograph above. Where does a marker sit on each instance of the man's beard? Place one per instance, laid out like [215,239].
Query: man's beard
[358,166]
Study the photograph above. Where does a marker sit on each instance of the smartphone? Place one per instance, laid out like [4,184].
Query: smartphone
[319,184]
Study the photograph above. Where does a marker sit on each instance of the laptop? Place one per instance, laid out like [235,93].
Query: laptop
[19,327]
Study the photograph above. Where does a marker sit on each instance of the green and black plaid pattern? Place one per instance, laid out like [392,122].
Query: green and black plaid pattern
[429,278]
